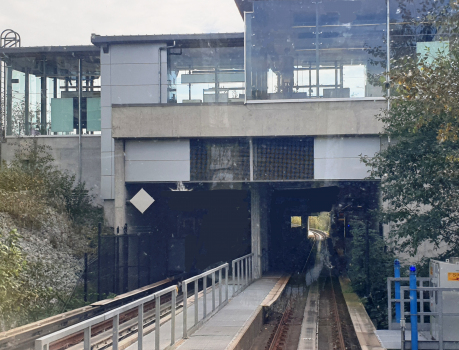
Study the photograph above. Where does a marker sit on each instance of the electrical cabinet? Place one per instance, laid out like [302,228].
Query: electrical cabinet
[445,274]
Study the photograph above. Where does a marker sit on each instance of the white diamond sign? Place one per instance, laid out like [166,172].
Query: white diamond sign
[142,200]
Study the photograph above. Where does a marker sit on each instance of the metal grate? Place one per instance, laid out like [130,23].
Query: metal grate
[284,159]
[220,160]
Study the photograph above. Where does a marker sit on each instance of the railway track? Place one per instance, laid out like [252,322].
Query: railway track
[23,338]
[334,327]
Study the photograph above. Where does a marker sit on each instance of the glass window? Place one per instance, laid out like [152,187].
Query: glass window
[206,75]
[302,49]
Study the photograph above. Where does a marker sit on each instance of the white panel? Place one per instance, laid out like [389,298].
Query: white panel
[157,150]
[106,140]
[135,94]
[104,57]
[210,78]
[106,164]
[106,97]
[134,53]
[339,169]
[105,75]
[345,147]
[106,117]
[106,187]
[134,74]
[144,171]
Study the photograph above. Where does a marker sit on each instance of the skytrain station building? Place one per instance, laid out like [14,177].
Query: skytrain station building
[211,143]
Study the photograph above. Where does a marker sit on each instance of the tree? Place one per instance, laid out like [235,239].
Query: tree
[380,266]
[420,167]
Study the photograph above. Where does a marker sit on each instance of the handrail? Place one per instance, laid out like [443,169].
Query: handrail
[221,302]
[242,271]
[85,326]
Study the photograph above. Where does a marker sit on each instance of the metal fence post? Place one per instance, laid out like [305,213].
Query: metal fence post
[440,319]
[389,304]
[413,308]
[239,275]
[140,327]
[196,299]
[227,282]
[174,301]
[85,296]
[116,326]
[220,287]
[157,321]
[185,308]
[233,271]
[99,250]
[213,291]
[397,290]
[204,290]
[87,338]
[246,265]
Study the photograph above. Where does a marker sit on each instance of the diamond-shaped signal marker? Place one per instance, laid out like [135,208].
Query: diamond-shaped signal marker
[142,200]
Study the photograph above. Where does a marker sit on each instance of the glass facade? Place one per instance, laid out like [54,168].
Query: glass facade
[206,75]
[306,49]
[421,27]
[41,94]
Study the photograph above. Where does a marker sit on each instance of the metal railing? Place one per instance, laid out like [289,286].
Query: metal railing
[437,294]
[114,315]
[391,302]
[221,302]
[242,270]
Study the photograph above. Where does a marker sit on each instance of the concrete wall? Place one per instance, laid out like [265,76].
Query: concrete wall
[238,120]
[65,152]
[157,160]
[129,74]
[338,158]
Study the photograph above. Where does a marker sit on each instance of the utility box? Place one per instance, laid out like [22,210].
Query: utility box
[444,274]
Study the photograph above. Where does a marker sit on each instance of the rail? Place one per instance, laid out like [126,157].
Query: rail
[204,276]
[43,343]
[242,270]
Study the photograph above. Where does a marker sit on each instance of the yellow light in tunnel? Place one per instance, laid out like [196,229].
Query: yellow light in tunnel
[296,221]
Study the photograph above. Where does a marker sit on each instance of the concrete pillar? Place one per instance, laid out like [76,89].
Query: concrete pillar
[255,219]
[120,186]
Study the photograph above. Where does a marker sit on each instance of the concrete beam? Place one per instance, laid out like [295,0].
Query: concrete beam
[344,117]
[120,186]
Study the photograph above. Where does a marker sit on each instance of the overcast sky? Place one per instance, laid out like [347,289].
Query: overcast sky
[64,22]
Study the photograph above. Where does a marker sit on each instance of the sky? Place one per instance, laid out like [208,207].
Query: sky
[64,22]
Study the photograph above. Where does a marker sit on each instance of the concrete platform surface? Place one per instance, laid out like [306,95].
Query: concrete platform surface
[364,328]
[223,329]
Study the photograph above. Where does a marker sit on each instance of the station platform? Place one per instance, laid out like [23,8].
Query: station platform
[234,326]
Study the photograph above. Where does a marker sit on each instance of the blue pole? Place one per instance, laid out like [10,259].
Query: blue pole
[397,290]
[413,308]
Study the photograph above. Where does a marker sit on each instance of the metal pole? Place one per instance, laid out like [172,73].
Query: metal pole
[99,249]
[440,319]
[204,297]
[126,260]
[140,327]
[213,291]
[26,102]
[317,50]
[85,277]
[413,308]
[116,325]
[87,338]
[139,252]
[80,82]
[367,257]
[185,310]
[157,322]
[196,305]
[227,282]
[9,100]
[402,327]
[43,106]
[233,271]
[220,287]
[397,290]
[174,302]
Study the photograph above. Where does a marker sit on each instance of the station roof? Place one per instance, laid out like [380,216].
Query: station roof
[33,51]
[182,40]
